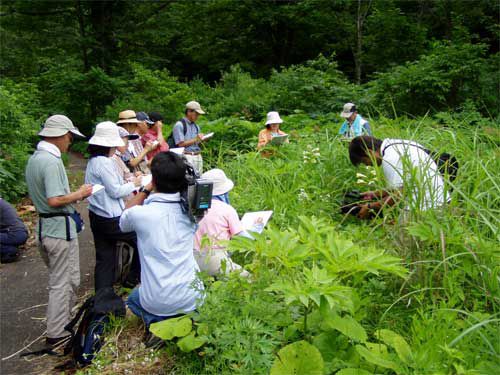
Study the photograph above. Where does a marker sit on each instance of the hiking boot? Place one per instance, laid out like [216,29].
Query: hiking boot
[9,258]
[153,342]
[56,341]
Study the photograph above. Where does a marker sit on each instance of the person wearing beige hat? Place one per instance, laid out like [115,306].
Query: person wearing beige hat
[107,205]
[354,125]
[49,190]
[272,129]
[220,223]
[137,153]
[187,134]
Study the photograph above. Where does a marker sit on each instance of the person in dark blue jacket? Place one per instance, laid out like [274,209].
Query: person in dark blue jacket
[13,232]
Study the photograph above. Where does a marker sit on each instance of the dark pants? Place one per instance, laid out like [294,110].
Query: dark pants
[9,241]
[107,233]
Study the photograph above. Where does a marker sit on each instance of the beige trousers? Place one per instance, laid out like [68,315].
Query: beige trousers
[196,161]
[63,261]
[216,262]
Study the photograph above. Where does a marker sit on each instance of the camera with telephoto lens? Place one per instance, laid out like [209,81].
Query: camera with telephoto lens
[352,202]
[197,197]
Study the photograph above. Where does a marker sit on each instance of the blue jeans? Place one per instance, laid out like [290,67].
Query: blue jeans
[134,304]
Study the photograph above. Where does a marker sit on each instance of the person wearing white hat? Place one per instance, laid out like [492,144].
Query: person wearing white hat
[187,134]
[354,125]
[220,223]
[49,190]
[272,129]
[107,205]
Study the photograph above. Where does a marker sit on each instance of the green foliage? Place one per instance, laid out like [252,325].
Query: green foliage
[444,78]
[20,121]
[298,358]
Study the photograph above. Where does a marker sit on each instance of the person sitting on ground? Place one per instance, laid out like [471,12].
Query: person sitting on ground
[272,130]
[220,223]
[106,205]
[408,170]
[49,190]
[165,237]
[187,134]
[155,135]
[354,125]
[13,233]
[136,155]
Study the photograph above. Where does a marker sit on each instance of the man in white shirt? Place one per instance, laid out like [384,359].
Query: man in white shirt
[165,236]
[409,171]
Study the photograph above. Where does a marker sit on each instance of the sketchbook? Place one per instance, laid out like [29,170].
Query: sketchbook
[279,139]
[256,221]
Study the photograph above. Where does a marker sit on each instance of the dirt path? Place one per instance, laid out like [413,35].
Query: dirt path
[24,288]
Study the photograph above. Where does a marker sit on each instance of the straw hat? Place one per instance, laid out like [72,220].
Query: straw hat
[57,126]
[222,184]
[127,117]
[107,135]
[273,118]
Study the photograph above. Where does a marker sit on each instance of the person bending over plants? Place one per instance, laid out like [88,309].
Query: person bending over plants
[220,223]
[409,170]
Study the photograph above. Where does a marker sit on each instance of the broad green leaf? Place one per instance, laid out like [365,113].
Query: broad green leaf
[348,326]
[376,358]
[396,341]
[326,343]
[298,358]
[353,371]
[170,328]
[191,342]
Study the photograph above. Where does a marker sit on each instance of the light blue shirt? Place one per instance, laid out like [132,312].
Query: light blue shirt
[107,202]
[192,131]
[165,237]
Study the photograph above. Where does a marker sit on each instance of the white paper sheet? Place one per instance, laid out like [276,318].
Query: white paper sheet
[178,150]
[146,179]
[96,188]
[209,135]
[256,221]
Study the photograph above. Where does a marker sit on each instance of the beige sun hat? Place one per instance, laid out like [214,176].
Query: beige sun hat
[195,106]
[127,117]
[222,184]
[106,134]
[349,109]
[57,126]
[273,118]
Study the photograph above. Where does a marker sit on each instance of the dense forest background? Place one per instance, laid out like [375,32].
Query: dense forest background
[91,59]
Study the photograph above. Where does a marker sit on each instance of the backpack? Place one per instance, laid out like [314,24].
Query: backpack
[170,139]
[447,164]
[92,318]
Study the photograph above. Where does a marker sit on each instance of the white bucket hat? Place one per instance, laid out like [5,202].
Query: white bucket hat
[57,126]
[222,184]
[349,109]
[107,135]
[273,118]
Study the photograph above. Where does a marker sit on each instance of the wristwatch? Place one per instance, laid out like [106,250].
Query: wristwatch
[145,191]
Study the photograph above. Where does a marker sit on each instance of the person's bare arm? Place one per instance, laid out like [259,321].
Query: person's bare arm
[197,139]
[83,192]
[134,162]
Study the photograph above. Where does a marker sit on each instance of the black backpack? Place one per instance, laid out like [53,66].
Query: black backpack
[92,318]
[170,139]
[446,163]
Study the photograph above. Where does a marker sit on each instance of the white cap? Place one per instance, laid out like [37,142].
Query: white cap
[222,184]
[195,106]
[57,126]
[273,118]
[349,109]
[107,135]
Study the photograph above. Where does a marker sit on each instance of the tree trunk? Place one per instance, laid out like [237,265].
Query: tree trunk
[83,36]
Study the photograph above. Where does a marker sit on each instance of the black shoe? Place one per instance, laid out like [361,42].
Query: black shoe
[153,342]
[56,341]
[9,258]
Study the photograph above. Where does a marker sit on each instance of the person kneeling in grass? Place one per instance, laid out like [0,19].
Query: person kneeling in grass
[165,242]
[220,223]
[408,169]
